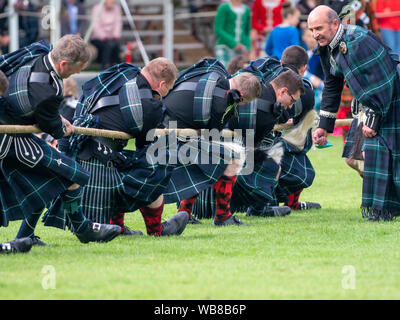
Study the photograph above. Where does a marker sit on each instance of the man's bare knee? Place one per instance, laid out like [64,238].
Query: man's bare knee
[74,186]
[157,203]
[233,169]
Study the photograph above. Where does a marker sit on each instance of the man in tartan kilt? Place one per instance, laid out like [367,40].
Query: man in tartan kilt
[128,99]
[205,97]
[33,173]
[358,56]
[297,171]
[255,189]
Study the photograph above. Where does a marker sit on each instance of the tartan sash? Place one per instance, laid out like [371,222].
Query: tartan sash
[211,70]
[19,104]
[117,80]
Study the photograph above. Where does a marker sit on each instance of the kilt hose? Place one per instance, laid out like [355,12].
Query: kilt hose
[24,189]
[112,190]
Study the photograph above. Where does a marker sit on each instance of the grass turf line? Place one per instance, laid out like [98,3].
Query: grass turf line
[300,256]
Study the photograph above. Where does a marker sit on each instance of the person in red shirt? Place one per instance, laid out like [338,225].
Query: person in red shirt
[265,15]
[388,14]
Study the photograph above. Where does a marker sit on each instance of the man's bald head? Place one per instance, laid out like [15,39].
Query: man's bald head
[323,22]
[324,12]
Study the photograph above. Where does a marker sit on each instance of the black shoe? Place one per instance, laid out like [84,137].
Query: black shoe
[303,205]
[277,211]
[176,224]
[126,231]
[16,245]
[37,242]
[193,220]
[231,221]
[99,232]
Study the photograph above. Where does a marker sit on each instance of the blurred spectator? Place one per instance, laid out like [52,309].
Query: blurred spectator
[28,25]
[305,7]
[237,63]
[314,72]
[4,36]
[285,34]
[107,32]
[232,28]
[68,105]
[265,15]
[69,18]
[389,22]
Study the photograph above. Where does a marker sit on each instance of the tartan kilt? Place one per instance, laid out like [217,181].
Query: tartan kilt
[348,145]
[257,188]
[111,190]
[188,180]
[297,172]
[24,190]
[254,189]
[381,180]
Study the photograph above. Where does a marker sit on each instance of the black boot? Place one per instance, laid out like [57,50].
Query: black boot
[175,225]
[16,245]
[305,205]
[231,221]
[99,232]
[193,220]
[129,232]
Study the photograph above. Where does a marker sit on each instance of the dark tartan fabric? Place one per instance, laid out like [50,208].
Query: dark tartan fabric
[112,190]
[11,62]
[106,83]
[371,73]
[24,190]
[255,188]
[208,162]
[211,70]
[297,171]
[348,145]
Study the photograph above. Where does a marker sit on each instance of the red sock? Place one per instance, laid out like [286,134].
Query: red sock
[223,194]
[187,205]
[119,220]
[152,219]
[293,200]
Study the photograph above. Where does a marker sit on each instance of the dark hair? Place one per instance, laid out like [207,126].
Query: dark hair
[3,83]
[295,56]
[288,9]
[290,80]
[237,63]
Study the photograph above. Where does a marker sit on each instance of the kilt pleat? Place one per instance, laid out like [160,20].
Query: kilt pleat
[112,190]
[24,190]
[204,207]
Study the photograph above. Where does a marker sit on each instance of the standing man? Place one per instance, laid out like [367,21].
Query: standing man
[357,56]
[33,173]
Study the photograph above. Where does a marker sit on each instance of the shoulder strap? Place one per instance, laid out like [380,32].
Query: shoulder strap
[203,97]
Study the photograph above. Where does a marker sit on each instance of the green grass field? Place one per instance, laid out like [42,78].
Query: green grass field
[321,254]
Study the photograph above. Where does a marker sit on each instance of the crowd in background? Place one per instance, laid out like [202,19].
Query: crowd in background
[266,27]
